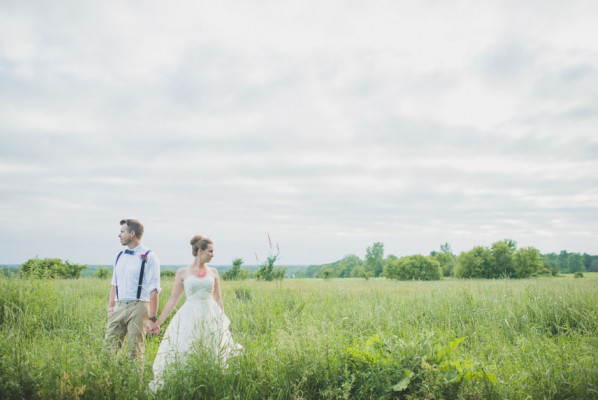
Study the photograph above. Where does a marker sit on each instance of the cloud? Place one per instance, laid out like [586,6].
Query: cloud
[413,124]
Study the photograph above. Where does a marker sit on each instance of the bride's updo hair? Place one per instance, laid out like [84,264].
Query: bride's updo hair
[199,242]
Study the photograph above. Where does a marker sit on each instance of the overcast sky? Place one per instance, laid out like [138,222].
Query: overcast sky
[329,125]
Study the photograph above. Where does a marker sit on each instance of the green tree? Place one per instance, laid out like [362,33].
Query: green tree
[50,268]
[102,272]
[562,261]
[446,259]
[327,273]
[416,267]
[361,272]
[374,259]
[512,244]
[235,271]
[167,273]
[527,262]
[575,263]
[346,265]
[502,260]
[446,248]
[474,263]
[267,271]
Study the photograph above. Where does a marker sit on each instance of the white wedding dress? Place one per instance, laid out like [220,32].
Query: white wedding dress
[199,322]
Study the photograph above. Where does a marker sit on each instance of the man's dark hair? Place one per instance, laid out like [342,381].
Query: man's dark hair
[133,225]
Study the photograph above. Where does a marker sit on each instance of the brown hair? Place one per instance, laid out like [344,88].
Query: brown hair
[133,225]
[199,242]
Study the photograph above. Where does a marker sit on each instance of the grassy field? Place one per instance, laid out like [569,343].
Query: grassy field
[331,339]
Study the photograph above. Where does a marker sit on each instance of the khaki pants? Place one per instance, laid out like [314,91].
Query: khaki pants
[128,317]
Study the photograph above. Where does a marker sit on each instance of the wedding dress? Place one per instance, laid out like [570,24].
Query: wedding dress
[199,322]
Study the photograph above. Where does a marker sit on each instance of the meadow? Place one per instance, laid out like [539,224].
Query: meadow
[321,339]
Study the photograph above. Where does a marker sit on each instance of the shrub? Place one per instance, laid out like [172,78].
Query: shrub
[50,268]
[236,273]
[578,274]
[474,263]
[527,262]
[413,267]
[167,273]
[102,273]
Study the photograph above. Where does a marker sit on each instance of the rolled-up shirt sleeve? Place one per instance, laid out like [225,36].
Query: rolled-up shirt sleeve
[113,281]
[153,273]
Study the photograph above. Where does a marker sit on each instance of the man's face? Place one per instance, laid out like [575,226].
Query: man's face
[124,235]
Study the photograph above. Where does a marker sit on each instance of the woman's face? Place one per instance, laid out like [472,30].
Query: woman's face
[206,255]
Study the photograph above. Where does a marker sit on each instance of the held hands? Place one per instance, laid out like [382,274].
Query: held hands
[153,328]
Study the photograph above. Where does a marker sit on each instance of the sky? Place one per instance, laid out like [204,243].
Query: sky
[325,126]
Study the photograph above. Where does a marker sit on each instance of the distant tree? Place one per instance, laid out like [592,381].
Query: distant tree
[389,260]
[50,268]
[9,271]
[416,267]
[563,261]
[235,273]
[587,261]
[167,273]
[552,260]
[312,271]
[502,260]
[512,244]
[102,272]
[327,273]
[446,259]
[446,248]
[527,262]
[374,259]
[341,268]
[447,263]
[346,265]
[594,265]
[474,263]
[361,272]
[575,263]
[267,271]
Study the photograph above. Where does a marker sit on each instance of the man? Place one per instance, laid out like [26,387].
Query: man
[134,293]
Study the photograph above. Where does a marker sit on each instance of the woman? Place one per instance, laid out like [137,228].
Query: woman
[201,320]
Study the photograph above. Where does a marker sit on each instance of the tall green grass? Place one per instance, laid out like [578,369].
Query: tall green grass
[332,339]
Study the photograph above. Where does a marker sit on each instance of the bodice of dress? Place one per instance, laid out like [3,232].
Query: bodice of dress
[197,288]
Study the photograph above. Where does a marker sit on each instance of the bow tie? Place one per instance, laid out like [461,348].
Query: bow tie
[129,252]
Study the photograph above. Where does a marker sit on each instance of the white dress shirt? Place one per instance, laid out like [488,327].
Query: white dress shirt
[126,275]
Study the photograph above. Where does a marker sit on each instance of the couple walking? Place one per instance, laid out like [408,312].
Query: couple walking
[133,304]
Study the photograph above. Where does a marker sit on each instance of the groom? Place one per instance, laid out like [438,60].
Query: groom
[135,290]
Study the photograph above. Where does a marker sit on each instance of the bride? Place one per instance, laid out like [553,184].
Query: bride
[200,321]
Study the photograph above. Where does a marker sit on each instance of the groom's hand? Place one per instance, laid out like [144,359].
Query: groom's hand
[153,328]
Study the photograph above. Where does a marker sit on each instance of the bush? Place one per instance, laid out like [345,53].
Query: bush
[527,262]
[413,267]
[474,263]
[236,273]
[50,268]
[267,272]
[102,273]
[578,274]
[167,273]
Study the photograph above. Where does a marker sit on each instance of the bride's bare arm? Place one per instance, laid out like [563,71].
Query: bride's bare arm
[217,294]
[175,296]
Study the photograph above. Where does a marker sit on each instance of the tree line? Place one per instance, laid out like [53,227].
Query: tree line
[501,260]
